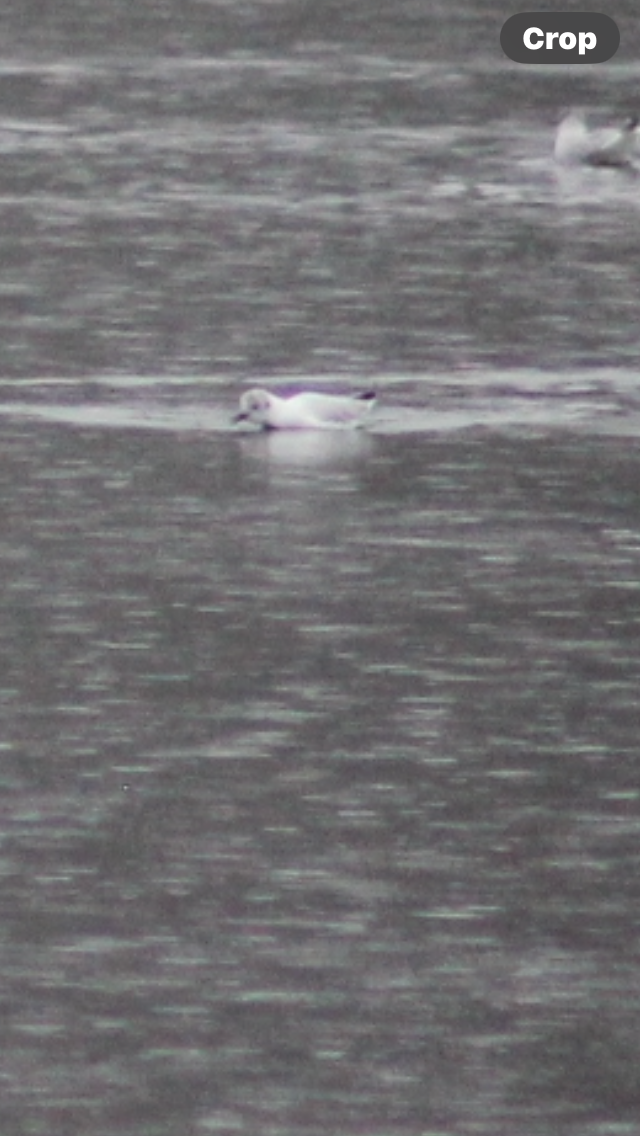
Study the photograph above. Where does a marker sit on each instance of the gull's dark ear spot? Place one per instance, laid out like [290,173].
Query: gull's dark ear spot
[367,396]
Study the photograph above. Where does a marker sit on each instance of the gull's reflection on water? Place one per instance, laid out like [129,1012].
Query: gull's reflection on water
[312,448]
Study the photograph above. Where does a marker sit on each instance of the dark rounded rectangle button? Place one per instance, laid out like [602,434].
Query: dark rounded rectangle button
[560,37]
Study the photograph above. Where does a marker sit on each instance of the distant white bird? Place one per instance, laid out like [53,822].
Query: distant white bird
[308,411]
[576,144]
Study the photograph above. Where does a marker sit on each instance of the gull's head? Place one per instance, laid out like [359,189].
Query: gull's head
[573,118]
[255,406]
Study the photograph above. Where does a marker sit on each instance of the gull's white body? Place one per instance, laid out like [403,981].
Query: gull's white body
[576,144]
[308,411]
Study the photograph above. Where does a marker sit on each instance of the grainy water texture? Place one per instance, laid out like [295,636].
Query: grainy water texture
[319,752]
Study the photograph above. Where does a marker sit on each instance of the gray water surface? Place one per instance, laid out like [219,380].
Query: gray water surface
[319,752]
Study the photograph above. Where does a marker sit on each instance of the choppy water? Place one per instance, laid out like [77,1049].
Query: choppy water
[319,753]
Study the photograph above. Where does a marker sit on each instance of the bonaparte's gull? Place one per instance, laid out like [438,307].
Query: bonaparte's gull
[576,144]
[308,411]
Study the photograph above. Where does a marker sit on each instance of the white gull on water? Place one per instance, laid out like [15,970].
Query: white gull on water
[577,144]
[310,410]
